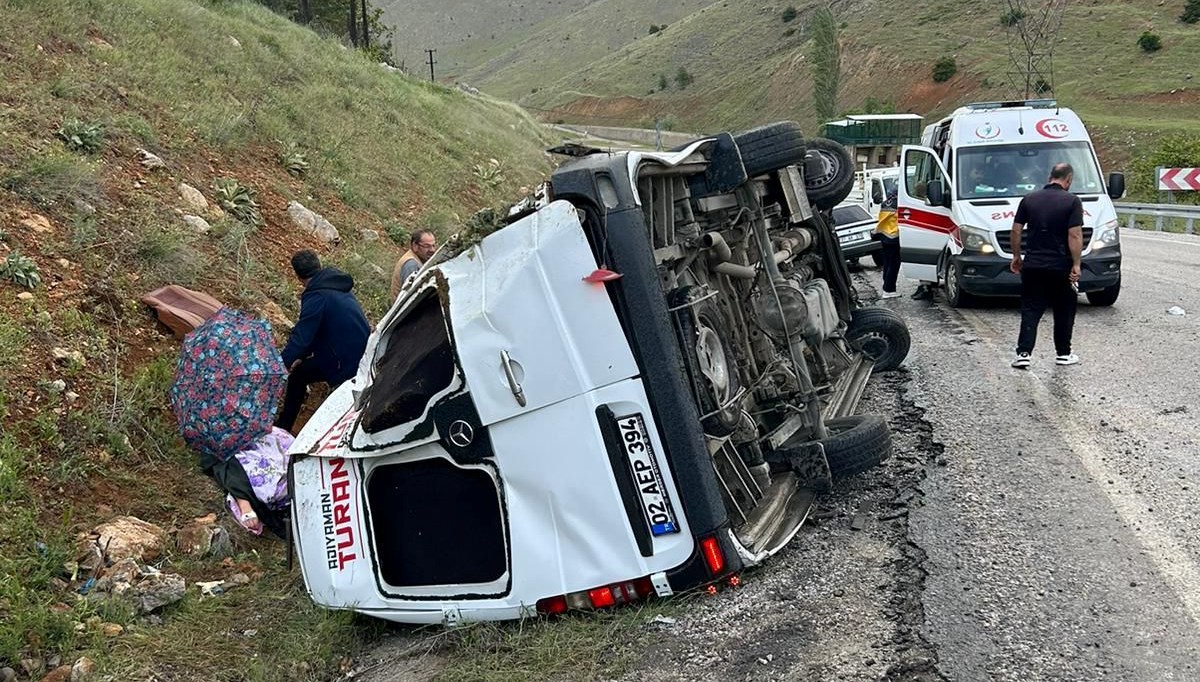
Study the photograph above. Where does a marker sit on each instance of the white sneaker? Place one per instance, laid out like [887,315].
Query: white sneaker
[1068,359]
[890,294]
[1022,361]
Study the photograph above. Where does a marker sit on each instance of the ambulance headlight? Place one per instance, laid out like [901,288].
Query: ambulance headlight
[1108,235]
[976,239]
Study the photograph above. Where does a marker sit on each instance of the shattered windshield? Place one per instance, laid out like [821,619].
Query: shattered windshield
[1016,170]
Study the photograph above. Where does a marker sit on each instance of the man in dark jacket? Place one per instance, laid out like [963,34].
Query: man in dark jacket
[328,339]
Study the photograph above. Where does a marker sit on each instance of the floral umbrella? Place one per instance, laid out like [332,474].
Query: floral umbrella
[227,383]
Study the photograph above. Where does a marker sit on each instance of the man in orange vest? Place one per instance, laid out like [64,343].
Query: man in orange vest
[421,248]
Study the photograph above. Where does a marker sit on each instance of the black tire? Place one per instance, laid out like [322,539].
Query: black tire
[881,334]
[770,147]
[877,258]
[955,296]
[711,387]
[856,443]
[828,174]
[1106,296]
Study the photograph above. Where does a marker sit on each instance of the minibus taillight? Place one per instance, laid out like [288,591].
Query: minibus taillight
[712,555]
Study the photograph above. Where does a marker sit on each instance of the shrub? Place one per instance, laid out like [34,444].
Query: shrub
[239,201]
[1012,17]
[789,14]
[20,270]
[944,69]
[789,32]
[683,78]
[294,161]
[662,81]
[654,29]
[1149,42]
[80,136]
[490,174]
[1191,12]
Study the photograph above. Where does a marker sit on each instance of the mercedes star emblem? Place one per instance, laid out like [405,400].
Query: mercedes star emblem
[461,433]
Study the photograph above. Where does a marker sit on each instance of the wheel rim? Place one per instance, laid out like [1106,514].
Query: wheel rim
[831,165]
[952,281]
[710,355]
[874,345]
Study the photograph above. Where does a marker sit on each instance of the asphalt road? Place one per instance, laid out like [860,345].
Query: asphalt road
[1061,540]
[1031,525]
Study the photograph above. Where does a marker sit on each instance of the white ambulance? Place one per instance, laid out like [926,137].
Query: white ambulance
[959,192]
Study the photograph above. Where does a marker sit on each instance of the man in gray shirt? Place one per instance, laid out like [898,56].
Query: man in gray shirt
[421,247]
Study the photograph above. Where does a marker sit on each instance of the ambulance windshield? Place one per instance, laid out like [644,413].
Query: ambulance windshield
[1016,170]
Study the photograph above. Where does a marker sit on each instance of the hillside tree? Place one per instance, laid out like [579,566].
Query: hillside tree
[825,56]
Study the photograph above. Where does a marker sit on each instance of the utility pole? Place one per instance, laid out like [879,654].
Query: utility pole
[431,62]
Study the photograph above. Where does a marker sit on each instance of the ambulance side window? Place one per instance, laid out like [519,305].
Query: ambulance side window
[921,170]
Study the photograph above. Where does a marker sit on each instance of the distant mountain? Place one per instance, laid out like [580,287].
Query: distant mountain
[598,62]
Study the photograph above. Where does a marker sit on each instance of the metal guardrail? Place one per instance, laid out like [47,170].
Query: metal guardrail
[1189,214]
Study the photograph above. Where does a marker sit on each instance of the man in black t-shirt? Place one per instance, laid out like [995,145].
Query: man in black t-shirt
[1052,219]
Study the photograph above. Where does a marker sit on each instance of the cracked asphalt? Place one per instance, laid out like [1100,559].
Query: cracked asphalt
[1031,524]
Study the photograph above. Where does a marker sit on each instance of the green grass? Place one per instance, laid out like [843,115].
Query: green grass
[383,150]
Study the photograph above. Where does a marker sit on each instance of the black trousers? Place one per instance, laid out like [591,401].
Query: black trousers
[305,374]
[1041,289]
[890,258]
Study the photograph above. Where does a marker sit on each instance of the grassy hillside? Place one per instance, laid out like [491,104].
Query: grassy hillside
[450,25]
[217,90]
[748,65]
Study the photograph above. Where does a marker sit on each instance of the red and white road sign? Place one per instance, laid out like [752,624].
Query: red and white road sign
[1179,179]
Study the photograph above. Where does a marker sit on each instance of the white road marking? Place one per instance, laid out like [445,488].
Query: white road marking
[1172,560]
[1127,234]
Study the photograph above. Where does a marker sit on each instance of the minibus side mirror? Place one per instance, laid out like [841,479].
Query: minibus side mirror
[1116,185]
[876,193]
[936,193]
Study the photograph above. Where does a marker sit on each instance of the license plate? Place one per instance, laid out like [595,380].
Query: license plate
[849,239]
[646,476]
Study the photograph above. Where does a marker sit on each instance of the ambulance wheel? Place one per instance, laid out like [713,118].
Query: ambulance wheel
[880,334]
[856,443]
[828,173]
[955,296]
[770,147]
[711,365]
[1106,296]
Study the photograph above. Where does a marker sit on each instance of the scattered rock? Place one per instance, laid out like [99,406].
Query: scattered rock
[128,537]
[32,666]
[83,669]
[24,296]
[313,223]
[71,396]
[124,571]
[71,358]
[56,387]
[150,159]
[193,199]
[111,629]
[153,591]
[36,222]
[369,235]
[203,537]
[100,42]
[196,223]
[274,314]
[234,42]
[210,588]
[8,675]
[237,579]
[1176,310]
[665,620]
[60,674]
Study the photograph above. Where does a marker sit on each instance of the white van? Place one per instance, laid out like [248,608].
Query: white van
[960,192]
[633,385]
[872,186]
